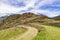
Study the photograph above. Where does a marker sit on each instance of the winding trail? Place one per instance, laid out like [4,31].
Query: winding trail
[28,35]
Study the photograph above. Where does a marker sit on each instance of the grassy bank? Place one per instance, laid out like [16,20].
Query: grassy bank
[48,33]
[9,33]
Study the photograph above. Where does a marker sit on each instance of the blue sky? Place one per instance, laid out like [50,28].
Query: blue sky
[50,8]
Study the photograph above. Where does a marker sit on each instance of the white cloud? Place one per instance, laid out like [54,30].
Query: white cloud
[47,12]
[6,7]
[2,14]
[44,2]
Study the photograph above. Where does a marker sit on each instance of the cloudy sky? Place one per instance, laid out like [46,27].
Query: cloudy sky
[46,7]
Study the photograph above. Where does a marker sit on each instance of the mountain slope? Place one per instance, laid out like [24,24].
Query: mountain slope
[10,21]
[57,17]
[2,18]
[24,18]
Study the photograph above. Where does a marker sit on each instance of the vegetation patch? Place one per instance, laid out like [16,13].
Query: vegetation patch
[48,33]
[41,35]
[9,33]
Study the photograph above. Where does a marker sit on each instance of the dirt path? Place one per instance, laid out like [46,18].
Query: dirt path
[28,35]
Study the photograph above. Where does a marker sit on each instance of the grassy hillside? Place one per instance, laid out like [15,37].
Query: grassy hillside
[49,26]
[16,19]
[48,33]
[57,17]
[26,18]
[6,34]
[46,21]
[10,21]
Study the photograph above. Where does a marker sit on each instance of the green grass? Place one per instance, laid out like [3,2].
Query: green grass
[57,21]
[9,33]
[48,33]
[41,35]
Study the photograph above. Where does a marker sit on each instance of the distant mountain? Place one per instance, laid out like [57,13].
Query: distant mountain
[42,19]
[10,21]
[2,18]
[12,17]
[31,17]
[24,18]
[57,17]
